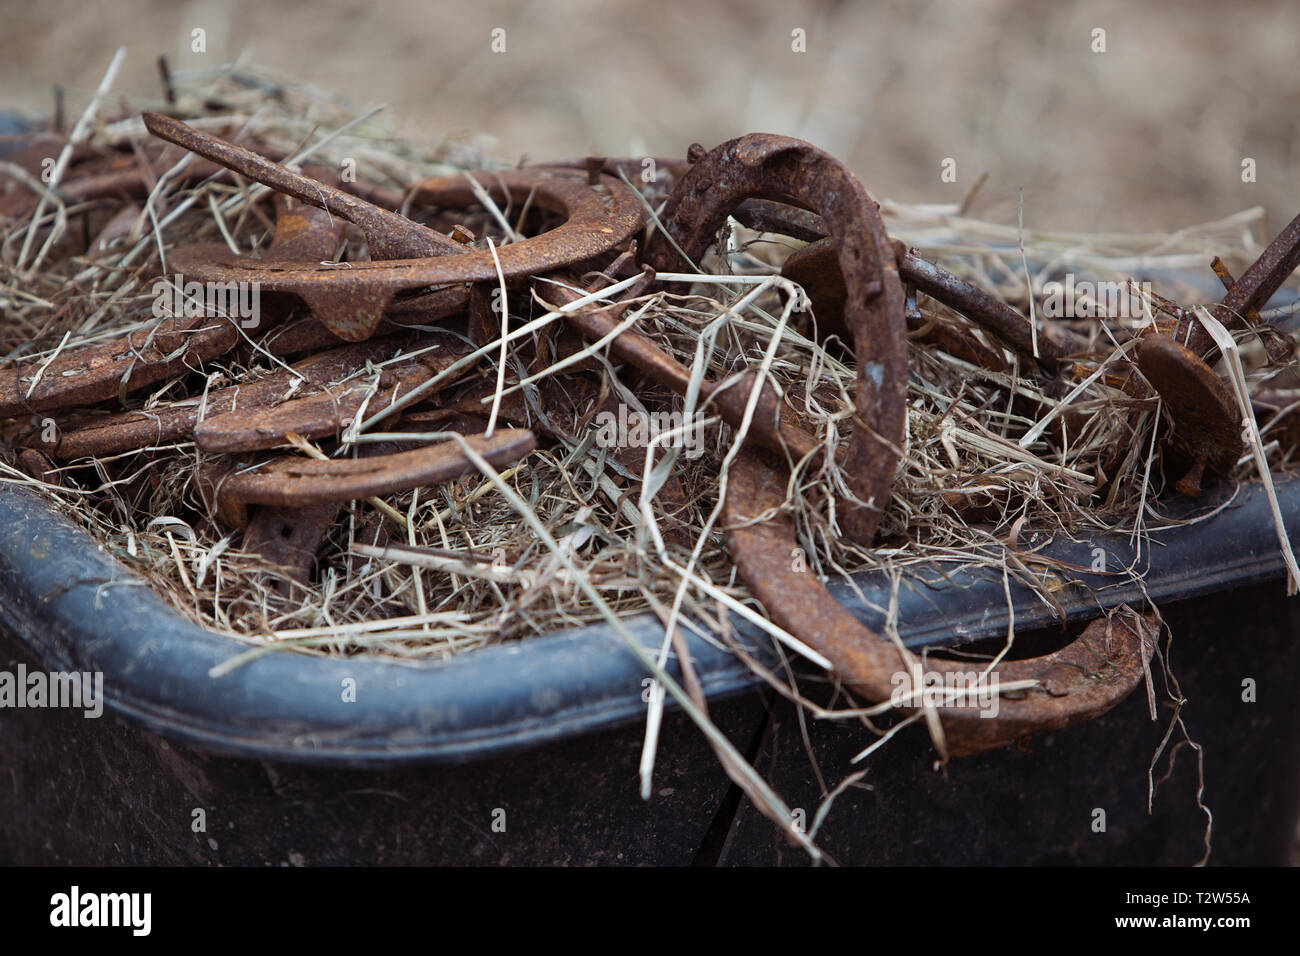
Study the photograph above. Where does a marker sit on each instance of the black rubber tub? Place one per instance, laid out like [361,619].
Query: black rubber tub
[557,707]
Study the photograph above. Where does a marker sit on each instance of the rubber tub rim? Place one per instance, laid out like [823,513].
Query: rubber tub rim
[77,609]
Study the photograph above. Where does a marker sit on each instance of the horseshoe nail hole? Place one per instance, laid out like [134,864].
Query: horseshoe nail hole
[286,531]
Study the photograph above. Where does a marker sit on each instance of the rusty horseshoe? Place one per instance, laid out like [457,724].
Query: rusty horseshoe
[1081,681]
[351,297]
[294,481]
[96,373]
[766,166]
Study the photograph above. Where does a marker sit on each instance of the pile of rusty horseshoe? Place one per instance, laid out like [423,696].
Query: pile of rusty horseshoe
[389,310]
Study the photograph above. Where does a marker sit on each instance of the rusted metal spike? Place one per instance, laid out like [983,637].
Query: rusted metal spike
[1252,291]
[766,166]
[816,264]
[1206,432]
[1277,347]
[134,176]
[985,310]
[815,267]
[1170,308]
[292,481]
[1079,682]
[1220,269]
[350,298]
[389,235]
[1266,275]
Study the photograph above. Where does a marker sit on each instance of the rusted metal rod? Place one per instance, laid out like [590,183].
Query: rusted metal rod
[389,235]
[1250,292]
[818,260]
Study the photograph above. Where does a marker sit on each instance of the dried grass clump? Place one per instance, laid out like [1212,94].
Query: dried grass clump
[572,534]
[462,569]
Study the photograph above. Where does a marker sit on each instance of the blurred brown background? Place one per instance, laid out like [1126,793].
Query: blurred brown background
[1147,136]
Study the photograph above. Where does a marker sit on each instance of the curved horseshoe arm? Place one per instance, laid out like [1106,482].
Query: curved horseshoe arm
[1081,681]
[767,166]
[350,298]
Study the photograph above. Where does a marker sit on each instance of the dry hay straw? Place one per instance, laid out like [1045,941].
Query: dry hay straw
[570,535]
